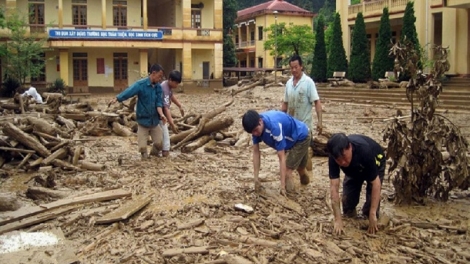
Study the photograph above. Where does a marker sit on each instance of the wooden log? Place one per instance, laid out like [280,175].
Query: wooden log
[46,136]
[62,144]
[125,211]
[233,259]
[191,224]
[41,193]
[196,144]
[58,154]
[42,125]
[36,219]
[209,115]
[65,165]
[33,210]
[76,155]
[10,106]
[209,127]
[69,124]
[76,116]
[35,163]
[25,159]
[249,240]
[86,165]
[121,130]
[14,132]
[248,87]
[53,95]
[18,150]
[21,103]
[168,253]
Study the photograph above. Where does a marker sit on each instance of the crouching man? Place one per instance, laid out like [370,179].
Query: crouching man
[362,160]
[283,133]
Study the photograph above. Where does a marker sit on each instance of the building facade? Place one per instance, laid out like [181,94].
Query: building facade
[250,32]
[106,45]
[439,22]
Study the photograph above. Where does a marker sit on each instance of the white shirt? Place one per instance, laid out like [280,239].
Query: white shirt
[33,93]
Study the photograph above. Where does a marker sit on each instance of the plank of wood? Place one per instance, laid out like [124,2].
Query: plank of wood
[35,219]
[24,212]
[191,224]
[124,211]
[18,150]
[168,253]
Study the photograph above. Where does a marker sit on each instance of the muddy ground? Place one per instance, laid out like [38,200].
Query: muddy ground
[204,187]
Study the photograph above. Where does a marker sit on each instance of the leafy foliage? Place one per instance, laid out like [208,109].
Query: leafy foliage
[337,55]
[419,167]
[58,86]
[318,72]
[230,58]
[22,54]
[9,87]
[359,70]
[383,62]
[289,40]
[409,33]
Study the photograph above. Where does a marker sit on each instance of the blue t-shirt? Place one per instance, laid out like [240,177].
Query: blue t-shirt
[281,131]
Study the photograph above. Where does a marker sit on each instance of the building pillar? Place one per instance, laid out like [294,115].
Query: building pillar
[247,34]
[422,11]
[247,60]
[187,62]
[64,65]
[61,13]
[145,15]
[186,7]
[449,36]
[218,11]
[143,62]
[103,14]
[239,36]
[342,8]
[218,60]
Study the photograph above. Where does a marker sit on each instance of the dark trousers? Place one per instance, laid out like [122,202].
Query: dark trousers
[352,191]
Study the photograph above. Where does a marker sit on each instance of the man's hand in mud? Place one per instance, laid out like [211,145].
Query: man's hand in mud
[338,228]
[373,226]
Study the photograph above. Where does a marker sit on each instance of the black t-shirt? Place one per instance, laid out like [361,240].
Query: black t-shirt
[366,156]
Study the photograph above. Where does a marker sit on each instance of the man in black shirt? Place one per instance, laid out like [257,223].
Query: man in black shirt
[361,159]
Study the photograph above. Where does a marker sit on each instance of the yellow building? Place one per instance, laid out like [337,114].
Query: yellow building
[250,36]
[106,45]
[440,22]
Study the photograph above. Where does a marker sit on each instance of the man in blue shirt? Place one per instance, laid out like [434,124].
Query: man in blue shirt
[149,108]
[283,133]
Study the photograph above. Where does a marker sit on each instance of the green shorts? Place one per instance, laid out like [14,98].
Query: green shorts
[298,155]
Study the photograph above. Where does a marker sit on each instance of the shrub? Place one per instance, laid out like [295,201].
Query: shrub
[58,86]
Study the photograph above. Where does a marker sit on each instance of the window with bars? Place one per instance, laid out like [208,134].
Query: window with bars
[79,13]
[196,18]
[120,14]
[36,16]
[42,74]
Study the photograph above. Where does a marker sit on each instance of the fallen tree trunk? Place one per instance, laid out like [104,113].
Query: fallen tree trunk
[248,87]
[86,165]
[196,144]
[41,193]
[208,128]
[14,132]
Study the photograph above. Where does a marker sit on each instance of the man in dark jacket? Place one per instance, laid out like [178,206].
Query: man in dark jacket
[362,160]
[149,108]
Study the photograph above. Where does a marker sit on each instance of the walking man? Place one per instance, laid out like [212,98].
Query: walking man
[149,112]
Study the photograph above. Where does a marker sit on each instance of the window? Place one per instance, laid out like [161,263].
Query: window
[196,18]
[36,16]
[252,37]
[120,14]
[260,62]
[42,72]
[260,33]
[79,10]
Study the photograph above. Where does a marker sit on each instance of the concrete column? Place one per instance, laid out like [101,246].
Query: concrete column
[218,11]
[145,14]
[239,36]
[187,62]
[247,59]
[449,36]
[186,7]
[143,61]
[218,60]
[64,65]
[61,13]
[247,35]
[342,8]
[103,14]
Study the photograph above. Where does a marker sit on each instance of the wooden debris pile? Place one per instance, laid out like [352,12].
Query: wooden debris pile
[34,143]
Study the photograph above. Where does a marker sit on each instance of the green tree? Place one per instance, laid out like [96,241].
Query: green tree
[409,34]
[229,15]
[328,36]
[337,55]
[359,67]
[22,55]
[318,72]
[382,61]
[289,40]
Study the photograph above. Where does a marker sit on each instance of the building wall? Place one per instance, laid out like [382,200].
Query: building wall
[453,20]
[182,47]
